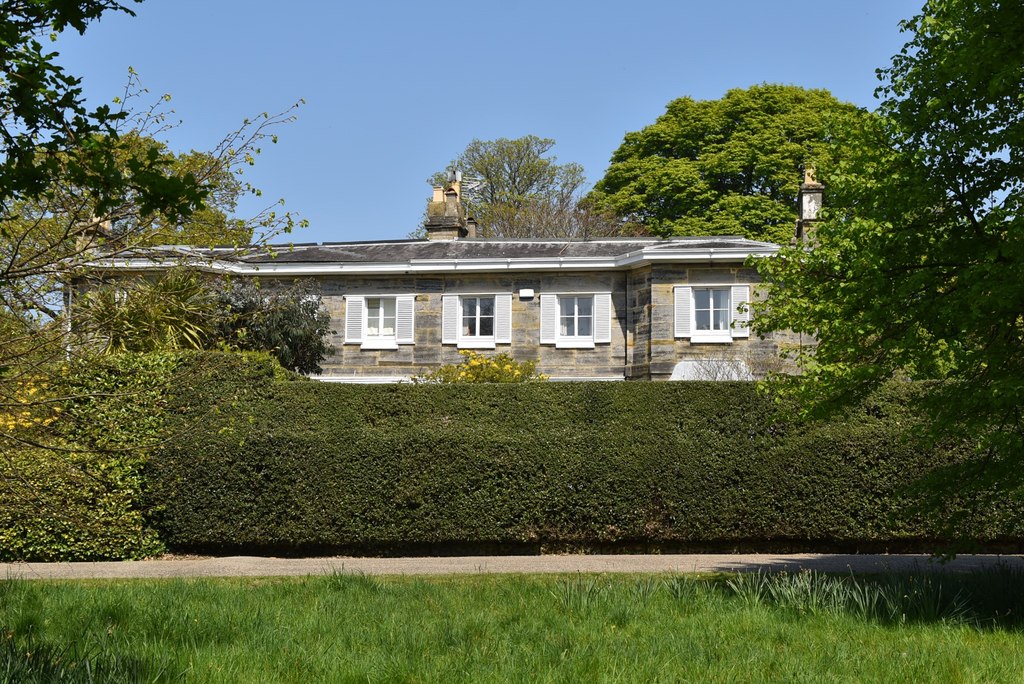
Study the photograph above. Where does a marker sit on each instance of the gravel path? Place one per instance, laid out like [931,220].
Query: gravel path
[250,566]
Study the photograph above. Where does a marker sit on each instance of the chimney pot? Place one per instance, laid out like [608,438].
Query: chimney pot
[446,219]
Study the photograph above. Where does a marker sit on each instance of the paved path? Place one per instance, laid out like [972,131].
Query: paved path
[250,566]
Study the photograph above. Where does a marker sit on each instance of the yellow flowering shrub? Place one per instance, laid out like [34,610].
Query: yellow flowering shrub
[476,367]
[28,408]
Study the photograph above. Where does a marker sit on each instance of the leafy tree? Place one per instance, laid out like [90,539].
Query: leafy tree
[291,323]
[722,167]
[514,189]
[76,181]
[918,269]
[182,309]
[210,224]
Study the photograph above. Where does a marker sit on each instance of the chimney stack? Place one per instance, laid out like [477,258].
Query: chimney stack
[446,219]
[809,198]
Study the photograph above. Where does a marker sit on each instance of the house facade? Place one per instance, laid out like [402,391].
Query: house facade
[603,309]
[614,309]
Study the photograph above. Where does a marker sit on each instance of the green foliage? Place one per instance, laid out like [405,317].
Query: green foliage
[71,505]
[177,310]
[75,181]
[918,269]
[185,309]
[723,167]
[209,225]
[477,367]
[290,323]
[72,487]
[44,111]
[314,466]
[71,482]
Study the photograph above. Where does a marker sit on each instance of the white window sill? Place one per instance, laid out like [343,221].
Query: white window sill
[574,343]
[476,343]
[711,339]
[379,344]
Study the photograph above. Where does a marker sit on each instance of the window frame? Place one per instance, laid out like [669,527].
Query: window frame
[380,341]
[477,341]
[452,320]
[685,306]
[602,311]
[575,341]
[357,321]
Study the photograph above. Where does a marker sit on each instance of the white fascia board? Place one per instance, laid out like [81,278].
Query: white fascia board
[681,254]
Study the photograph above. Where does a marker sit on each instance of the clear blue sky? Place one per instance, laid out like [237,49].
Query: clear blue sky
[395,90]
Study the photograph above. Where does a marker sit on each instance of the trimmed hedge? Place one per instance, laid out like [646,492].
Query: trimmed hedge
[72,484]
[313,467]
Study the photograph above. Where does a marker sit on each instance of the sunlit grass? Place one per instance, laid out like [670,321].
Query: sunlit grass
[491,628]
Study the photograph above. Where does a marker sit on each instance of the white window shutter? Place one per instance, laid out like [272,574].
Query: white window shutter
[602,317]
[548,318]
[683,307]
[503,319]
[740,319]
[449,319]
[404,308]
[354,319]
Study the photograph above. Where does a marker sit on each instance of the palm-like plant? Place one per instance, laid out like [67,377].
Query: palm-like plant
[175,311]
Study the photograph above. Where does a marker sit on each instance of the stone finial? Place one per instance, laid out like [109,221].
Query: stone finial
[809,204]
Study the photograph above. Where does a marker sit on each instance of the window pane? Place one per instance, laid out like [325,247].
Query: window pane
[469,316]
[585,326]
[567,306]
[722,314]
[701,299]
[568,327]
[373,317]
[703,317]
[487,326]
[486,306]
[380,317]
[585,306]
[721,319]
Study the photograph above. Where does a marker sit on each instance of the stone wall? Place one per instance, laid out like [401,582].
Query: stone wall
[643,344]
[605,361]
[710,361]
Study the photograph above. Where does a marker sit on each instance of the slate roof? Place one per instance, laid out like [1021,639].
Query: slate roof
[409,250]
[437,256]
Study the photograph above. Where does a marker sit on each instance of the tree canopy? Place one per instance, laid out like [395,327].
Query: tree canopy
[76,181]
[290,323]
[515,189]
[186,309]
[917,270]
[723,167]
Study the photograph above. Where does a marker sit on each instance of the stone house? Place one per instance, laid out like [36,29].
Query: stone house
[603,309]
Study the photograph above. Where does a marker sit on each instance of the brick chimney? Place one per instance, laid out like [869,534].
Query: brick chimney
[446,218]
[809,198]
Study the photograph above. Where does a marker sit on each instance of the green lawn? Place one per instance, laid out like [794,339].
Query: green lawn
[491,628]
